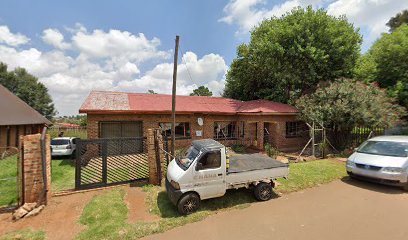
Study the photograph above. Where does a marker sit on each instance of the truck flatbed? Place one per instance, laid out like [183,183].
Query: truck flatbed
[252,162]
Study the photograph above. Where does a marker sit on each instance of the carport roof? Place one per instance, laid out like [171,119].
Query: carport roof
[14,111]
[121,102]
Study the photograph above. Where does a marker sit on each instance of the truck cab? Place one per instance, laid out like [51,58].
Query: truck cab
[203,173]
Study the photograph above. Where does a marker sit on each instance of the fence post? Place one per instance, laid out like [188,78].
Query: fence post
[151,157]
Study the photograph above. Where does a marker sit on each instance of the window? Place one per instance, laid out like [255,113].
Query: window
[225,130]
[294,129]
[182,130]
[210,160]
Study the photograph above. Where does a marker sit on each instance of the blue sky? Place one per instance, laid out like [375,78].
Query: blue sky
[74,47]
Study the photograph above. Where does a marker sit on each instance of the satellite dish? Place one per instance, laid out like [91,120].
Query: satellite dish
[200,121]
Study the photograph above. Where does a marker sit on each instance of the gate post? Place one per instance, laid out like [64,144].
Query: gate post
[151,157]
[35,187]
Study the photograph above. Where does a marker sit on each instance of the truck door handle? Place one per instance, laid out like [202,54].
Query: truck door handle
[219,174]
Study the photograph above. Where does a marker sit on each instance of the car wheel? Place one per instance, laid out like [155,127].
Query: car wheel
[263,191]
[188,203]
[405,187]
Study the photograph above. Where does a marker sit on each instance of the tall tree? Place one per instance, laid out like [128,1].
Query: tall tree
[398,20]
[150,91]
[29,89]
[386,63]
[201,91]
[288,56]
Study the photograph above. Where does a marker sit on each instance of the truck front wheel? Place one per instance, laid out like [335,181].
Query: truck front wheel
[263,191]
[188,203]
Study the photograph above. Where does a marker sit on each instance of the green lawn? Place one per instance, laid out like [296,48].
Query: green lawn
[8,181]
[68,133]
[112,222]
[62,175]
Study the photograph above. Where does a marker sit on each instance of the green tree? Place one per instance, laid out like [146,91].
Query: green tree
[288,56]
[398,20]
[201,91]
[29,89]
[344,104]
[386,63]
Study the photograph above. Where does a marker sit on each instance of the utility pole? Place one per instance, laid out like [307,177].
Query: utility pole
[173,98]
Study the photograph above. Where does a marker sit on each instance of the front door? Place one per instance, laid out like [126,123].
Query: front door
[267,135]
[209,175]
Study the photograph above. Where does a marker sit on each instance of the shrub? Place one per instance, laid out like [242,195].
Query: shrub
[238,148]
[271,151]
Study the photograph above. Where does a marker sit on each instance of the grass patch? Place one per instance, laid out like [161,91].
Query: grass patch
[25,234]
[8,181]
[62,174]
[310,174]
[106,215]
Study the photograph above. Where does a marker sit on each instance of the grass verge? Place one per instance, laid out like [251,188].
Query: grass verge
[26,234]
[62,174]
[106,215]
[8,181]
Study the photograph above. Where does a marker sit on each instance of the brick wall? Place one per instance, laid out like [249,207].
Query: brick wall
[30,169]
[254,127]
[15,131]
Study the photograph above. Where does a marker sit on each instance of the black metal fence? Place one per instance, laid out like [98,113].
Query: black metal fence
[108,161]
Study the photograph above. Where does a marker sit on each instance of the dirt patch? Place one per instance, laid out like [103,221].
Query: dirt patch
[59,219]
[135,199]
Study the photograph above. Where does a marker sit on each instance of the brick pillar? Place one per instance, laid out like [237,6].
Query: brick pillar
[151,154]
[31,169]
[161,154]
[260,135]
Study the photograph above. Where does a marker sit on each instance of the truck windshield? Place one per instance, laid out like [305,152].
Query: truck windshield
[384,148]
[185,161]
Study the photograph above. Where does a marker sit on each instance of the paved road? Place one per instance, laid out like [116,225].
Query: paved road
[343,209]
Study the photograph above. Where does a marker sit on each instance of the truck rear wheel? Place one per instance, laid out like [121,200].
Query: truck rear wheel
[188,203]
[263,191]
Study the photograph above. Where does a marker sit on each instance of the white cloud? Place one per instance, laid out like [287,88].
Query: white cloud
[369,14]
[12,39]
[249,13]
[109,60]
[209,71]
[54,38]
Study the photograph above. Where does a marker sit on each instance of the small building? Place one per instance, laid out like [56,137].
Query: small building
[251,123]
[17,118]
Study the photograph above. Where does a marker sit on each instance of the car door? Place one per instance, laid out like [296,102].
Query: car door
[209,179]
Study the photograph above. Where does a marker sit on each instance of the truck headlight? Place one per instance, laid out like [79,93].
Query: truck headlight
[175,185]
[393,170]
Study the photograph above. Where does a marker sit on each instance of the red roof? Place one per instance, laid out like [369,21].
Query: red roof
[120,102]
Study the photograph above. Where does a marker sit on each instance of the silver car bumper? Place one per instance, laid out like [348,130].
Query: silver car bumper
[395,179]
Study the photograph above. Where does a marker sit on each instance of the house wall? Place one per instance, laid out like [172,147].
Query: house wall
[254,136]
[15,132]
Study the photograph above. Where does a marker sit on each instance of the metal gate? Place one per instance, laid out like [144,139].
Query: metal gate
[109,161]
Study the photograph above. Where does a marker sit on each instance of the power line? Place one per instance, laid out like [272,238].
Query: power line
[185,64]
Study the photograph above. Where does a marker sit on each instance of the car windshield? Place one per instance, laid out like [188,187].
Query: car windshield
[188,158]
[385,148]
[59,142]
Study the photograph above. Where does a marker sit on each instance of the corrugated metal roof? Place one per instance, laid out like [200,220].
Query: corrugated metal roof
[14,111]
[119,102]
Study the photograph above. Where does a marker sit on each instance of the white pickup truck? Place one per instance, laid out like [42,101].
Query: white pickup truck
[206,172]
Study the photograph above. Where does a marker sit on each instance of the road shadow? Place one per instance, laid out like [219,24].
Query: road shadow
[233,198]
[372,186]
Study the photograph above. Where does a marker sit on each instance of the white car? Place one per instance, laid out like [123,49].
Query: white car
[63,146]
[381,159]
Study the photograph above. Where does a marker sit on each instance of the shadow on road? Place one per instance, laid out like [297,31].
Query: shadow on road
[372,186]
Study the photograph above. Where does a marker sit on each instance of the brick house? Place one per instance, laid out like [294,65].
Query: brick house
[17,118]
[252,123]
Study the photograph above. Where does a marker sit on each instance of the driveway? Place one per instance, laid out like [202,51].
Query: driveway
[343,209]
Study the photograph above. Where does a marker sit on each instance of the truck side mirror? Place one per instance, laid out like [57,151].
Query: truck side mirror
[199,166]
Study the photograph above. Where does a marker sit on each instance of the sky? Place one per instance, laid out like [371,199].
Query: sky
[74,47]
